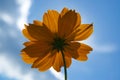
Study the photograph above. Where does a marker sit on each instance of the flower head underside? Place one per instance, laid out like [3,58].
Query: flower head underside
[57,32]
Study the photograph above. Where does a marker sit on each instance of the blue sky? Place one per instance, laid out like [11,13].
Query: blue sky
[103,62]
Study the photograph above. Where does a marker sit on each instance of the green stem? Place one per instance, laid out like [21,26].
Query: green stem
[65,69]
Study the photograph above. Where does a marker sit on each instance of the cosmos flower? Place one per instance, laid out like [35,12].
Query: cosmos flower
[57,33]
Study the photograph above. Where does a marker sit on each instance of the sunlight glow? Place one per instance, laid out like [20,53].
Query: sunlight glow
[24,6]
[58,75]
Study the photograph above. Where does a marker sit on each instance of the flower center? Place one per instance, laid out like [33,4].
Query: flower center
[58,43]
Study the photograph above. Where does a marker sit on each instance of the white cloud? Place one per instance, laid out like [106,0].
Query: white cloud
[105,48]
[58,75]
[12,70]
[100,47]
[24,6]
[6,18]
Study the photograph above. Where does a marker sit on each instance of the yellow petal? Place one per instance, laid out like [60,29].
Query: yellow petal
[85,31]
[27,58]
[83,51]
[68,61]
[40,32]
[84,47]
[44,63]
[50,19]
[64,11]
[78,21]
[66,23]
[67,54]
[82,58]
[35,42]
[36,22]
[28,43]
[72,36]
[58,62]
[72,49]
[27,35]
[76,29]
[37,49]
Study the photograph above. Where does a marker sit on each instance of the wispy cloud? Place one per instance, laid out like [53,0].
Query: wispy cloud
[12,70]
[6,18]
[100,47]
[58,75]
[24,6]
[105,48]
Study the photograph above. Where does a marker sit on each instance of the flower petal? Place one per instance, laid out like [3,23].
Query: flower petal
[27,35]
[59,61]
[44,63]
[78,21]
[37,49]
[66,23]
[39,32]
[76,29]
[27,58]
[83,51]
[64,11]
[85,31]
[85,47]
[36,22]
[72,49]
[68,61]
[82,58]
[28,43]
[50,19]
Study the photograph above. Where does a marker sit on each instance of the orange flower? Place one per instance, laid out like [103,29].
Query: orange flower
[58,32]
